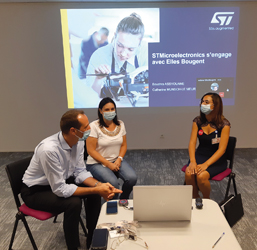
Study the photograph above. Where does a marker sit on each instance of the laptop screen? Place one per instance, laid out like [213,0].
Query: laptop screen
[162,203]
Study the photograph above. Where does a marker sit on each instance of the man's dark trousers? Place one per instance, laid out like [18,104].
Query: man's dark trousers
[42,198]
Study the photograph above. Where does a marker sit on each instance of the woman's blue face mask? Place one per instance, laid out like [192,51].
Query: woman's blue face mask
[206,109]
[109,115]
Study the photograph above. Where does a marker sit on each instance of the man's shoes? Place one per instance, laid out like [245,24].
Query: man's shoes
[72,248]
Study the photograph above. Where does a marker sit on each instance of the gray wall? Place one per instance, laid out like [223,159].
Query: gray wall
[33,91]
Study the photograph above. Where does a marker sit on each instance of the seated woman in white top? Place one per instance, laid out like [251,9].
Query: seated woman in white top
[106,146]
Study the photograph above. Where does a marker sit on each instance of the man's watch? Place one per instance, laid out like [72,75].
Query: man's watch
[121,158]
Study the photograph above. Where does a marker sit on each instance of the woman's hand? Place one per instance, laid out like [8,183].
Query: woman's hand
[114,167]
[118,162]
[201,168]
[191,169]
[102,69]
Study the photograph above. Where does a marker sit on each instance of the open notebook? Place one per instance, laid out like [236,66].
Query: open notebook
[162,203]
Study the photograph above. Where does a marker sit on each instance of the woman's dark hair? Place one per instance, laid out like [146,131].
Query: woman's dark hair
[102,103]
[131,24]
[70,120]
[217,111]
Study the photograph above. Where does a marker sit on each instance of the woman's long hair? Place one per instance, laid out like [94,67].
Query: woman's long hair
[103,102]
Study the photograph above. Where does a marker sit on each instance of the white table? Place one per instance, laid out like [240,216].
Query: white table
[206,226]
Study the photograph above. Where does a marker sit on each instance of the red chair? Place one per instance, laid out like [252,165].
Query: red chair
[228,172]
[15,172]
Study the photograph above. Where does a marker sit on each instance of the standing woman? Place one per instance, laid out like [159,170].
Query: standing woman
[107,146]
[208,160]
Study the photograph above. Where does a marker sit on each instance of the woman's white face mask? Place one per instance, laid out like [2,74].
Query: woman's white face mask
[206,109]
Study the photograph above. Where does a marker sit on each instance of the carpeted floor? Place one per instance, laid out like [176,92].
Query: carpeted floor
[153,167]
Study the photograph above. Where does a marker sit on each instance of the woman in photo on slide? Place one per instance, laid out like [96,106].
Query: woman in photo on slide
[125,53]
[212,130]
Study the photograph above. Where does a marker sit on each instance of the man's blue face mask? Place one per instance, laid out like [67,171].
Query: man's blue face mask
[85,135]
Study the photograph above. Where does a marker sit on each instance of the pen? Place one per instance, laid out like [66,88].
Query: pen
[218,240]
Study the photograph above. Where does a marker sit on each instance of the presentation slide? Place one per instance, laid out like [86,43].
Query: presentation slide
[149,57]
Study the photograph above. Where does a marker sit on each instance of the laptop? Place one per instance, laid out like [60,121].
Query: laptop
[162,203]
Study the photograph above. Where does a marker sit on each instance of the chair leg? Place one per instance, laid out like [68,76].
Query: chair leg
[14,231]
[55,218]
[28,231]
[231,176]
[83,226]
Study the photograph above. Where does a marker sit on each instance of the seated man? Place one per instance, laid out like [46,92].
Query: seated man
[57,179]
